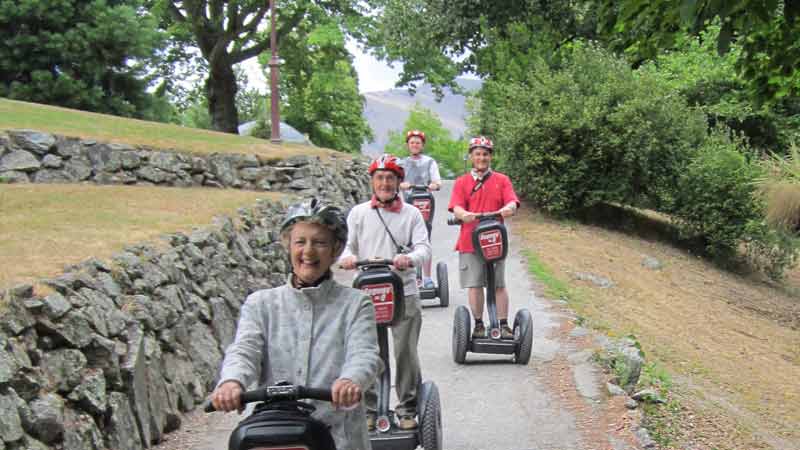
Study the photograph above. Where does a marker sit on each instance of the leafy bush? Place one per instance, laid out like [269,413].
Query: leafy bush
[715,196]
[590,130]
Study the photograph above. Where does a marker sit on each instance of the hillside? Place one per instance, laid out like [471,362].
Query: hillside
[724,346]
[388,110]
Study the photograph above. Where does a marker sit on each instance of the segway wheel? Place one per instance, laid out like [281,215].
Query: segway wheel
[461,334]
[431,421]
[444,285]
[523,336]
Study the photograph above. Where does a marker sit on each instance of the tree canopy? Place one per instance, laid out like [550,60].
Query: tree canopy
[437,40]
[766,30]
[86,55]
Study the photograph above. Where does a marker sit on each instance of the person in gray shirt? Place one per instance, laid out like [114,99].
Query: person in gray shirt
[420,170]
[310,331]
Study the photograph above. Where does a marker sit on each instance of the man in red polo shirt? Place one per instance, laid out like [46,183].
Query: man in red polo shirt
[479,191]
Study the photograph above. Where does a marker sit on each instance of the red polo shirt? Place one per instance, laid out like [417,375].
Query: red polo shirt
[495,193]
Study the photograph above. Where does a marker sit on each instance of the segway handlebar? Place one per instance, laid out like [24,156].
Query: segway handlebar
[480,216]
[419,187]
[374,262]
[377,262]
[279,393]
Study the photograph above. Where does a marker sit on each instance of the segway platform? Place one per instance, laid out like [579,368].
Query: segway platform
[393,439]
[497,347]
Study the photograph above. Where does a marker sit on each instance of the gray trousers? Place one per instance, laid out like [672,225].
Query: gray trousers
[406,370]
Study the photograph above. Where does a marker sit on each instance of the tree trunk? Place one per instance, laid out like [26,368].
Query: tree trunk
[221,93]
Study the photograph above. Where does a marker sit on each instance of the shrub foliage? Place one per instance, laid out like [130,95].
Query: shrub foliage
[582,128]
[590,131]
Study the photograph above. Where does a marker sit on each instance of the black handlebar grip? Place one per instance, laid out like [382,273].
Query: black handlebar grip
[257,395]
[316,394]
[453,221]
[209,407]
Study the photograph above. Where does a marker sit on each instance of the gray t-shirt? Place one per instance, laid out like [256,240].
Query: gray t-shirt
[421,170]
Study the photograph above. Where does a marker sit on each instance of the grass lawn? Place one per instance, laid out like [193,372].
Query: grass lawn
[74,123]
[45,227]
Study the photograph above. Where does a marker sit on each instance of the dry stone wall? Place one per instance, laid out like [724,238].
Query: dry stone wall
[28,156]
[112,355]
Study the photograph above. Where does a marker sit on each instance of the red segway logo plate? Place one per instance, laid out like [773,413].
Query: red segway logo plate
[491,244]
[424,206]
[382,296]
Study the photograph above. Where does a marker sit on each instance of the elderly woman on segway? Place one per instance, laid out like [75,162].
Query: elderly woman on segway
[310,331]
[479,191]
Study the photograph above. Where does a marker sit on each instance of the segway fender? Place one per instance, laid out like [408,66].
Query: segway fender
[525,325]
[424,392]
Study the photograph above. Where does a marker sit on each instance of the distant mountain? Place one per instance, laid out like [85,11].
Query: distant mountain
[388,110]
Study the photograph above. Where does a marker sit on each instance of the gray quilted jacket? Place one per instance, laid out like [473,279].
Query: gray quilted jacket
[311,337]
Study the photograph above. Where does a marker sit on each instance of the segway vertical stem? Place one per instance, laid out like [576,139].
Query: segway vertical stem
[491,299]
[385,384]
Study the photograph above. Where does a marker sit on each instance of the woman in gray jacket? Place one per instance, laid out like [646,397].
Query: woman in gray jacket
[311,331]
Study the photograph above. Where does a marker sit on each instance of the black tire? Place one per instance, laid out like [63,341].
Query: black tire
[444,284]
[461,334]
[523,336]
[430,422]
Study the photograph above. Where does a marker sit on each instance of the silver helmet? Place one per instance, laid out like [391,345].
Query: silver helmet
[317,212]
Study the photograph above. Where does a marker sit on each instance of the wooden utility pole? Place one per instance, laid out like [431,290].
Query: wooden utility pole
[274,63]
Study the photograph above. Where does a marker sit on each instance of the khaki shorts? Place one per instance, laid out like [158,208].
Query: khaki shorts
[472,271]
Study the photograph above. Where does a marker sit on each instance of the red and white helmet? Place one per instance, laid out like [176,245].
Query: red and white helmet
[417,133]
[387,162]
[481,141]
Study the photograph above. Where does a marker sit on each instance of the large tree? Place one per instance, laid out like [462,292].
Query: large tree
[228,32]
[90,55]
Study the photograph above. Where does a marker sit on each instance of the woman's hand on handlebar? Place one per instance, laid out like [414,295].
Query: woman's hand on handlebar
[402,262]
[227,397]
[348,263]
[345,393]
[434,187]
[405,185]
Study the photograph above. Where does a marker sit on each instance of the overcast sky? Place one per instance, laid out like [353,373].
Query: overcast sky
[373,75]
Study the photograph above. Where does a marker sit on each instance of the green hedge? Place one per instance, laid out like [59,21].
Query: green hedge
[715,195]
[590,131]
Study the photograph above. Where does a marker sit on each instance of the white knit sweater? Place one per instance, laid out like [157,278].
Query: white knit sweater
[367,238]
